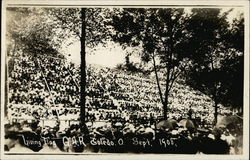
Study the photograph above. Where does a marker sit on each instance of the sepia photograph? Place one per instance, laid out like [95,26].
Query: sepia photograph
[124,79]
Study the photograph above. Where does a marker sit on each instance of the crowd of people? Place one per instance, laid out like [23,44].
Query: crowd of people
[44,99]
[120,137]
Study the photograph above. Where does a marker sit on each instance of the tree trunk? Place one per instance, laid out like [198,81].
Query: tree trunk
[215,112]
[157,81]
[165,107]
[83,67]
[215,104]
[169,59]
[169,52]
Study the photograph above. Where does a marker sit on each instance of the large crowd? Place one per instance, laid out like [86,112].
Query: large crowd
[119,137]
[45,91]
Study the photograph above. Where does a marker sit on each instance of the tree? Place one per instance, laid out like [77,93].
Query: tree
[161,33]
[235,34]
[233,71]
[29,30]
[48,29]
[233,65]
[211,53]
[86,25]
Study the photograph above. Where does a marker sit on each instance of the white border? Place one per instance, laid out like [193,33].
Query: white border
[130,3]
[127,2]
[3,23]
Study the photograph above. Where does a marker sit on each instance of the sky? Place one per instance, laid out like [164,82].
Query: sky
[114,54]
[108,56]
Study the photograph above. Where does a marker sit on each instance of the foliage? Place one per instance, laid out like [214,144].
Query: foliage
[68,21]
[29,30]
[86,25]
[161,33]
[202,44]
[217,68]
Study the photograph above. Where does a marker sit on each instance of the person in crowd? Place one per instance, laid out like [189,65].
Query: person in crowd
[45,89]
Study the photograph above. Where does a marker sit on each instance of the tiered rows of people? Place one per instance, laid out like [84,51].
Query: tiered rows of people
[49,81]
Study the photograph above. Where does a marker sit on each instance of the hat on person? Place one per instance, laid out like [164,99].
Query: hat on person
[174,132]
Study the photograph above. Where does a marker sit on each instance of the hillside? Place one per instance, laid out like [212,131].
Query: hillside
[50,87]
